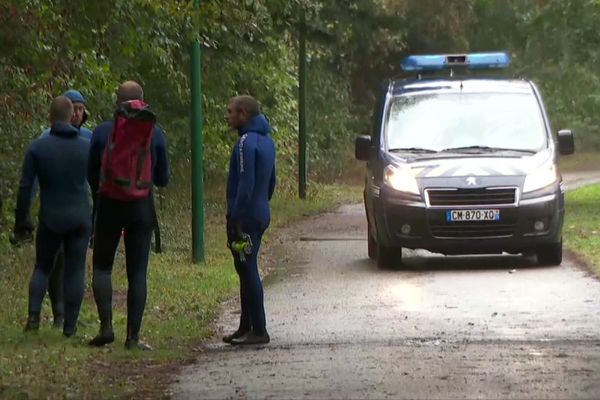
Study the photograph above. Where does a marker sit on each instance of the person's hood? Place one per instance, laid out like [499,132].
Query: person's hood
[84,118]
[75,96]
[258,124]
[64,129]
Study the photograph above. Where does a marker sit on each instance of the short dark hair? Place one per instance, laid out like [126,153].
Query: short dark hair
[61,109]
[129,90]
[248,104]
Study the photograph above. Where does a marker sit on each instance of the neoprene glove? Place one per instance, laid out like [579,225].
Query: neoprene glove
[24,227]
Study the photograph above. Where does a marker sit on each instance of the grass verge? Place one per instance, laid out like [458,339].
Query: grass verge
[582,224]
[182,301]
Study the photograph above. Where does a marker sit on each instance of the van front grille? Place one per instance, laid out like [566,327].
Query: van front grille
[471,197]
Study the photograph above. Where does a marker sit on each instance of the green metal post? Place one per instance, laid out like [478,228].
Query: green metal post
[302,170]
[197,155]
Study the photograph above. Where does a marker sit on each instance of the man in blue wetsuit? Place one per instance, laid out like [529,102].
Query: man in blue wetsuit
[135,218]
[59,161]
[250,186]
[55,283]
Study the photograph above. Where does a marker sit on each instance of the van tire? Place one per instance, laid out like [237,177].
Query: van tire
[388,257]
[372,246]
[550,254]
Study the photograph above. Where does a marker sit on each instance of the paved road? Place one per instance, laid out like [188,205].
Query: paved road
[443,328]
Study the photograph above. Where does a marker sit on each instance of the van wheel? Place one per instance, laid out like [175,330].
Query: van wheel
[550,254]
[388,257]
[372,246]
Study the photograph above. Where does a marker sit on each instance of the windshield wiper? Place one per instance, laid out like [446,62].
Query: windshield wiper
[413,150]
[485,149]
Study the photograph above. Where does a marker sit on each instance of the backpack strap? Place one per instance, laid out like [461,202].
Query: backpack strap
[145,153]
[104,176]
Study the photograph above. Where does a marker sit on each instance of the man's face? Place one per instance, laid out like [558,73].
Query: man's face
[78,110]
[233,115]
[236,117]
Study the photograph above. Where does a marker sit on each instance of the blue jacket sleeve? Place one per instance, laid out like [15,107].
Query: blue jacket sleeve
[272,184]
[24,198]
[246,173]
[232,183]
[161,164]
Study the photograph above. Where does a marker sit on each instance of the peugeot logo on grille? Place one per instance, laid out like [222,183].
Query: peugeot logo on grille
[471,181]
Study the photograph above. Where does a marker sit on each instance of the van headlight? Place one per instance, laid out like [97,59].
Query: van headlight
[543,176]
[400,180]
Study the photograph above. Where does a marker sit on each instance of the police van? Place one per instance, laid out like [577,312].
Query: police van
[462,164]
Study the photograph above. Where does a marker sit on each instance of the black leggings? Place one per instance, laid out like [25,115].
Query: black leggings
[135,220]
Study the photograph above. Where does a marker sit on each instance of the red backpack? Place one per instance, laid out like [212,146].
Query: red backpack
[126,172]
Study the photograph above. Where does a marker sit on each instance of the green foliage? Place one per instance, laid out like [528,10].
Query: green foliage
[52,45]
[557,44]
[250,47]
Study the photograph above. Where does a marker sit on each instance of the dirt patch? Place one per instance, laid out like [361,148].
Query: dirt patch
[580,262]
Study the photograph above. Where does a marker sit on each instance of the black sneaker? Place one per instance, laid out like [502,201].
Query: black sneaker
[252,338]
[237,334]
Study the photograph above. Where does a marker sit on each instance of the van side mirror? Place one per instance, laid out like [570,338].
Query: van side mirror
[566,143]
[362,147]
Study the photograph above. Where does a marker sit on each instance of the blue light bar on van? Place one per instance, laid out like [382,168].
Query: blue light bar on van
[447,61]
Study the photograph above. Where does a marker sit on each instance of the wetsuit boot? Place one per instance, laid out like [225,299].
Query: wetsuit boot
[105,336]
[102,286]
[133,342]
[33,323]
[69,332]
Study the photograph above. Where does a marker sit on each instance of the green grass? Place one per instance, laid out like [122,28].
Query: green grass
[182,301]
[582,224]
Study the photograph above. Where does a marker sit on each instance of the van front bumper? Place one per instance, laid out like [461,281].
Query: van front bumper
[406,221]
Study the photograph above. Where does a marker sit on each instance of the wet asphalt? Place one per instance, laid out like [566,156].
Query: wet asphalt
[442,327]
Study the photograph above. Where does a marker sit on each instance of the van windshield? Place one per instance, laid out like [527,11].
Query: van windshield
[454,121]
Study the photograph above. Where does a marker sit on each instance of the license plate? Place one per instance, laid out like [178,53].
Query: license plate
[473,215]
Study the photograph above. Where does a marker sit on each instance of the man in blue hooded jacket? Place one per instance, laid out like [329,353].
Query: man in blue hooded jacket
[80,114]
[59,161]
[250,186]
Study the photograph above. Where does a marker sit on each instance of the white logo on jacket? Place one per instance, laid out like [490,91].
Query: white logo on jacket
[242,139]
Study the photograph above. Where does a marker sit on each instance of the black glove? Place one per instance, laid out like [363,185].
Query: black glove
[23,230]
